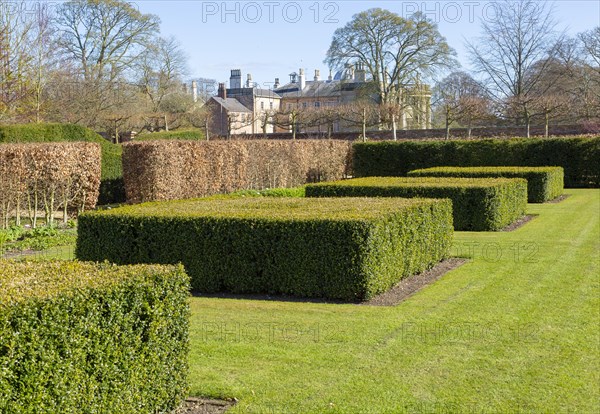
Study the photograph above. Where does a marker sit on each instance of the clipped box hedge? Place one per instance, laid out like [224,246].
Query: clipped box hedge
[348,249]
[478,204]
[543,183]
[96,338]
[578,156]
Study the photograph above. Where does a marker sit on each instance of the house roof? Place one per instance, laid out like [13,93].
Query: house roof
[316,88]
[266,93]
[263,93]
[231,104]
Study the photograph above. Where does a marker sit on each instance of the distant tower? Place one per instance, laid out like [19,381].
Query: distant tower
[249,82]
[235,80]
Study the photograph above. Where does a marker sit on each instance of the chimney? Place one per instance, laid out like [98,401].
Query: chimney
[222,93]
[276,85]
[249,81]
[194,91]
[359,74]
[301,80]
[330,78]
[184,88]
[235,81]
[317,75]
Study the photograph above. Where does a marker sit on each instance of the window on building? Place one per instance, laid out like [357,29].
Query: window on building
[304,104]
[262,105]
[270,105]
[317,104]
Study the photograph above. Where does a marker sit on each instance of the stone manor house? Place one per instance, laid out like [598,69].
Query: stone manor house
[248,109]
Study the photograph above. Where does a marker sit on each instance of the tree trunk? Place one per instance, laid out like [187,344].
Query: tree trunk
[206,128]
[547,122]
[294,127]
[364,125]
[66,195]
[18,210]
[394,127]
[447,129]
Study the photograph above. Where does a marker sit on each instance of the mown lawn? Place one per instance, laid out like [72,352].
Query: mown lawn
[515,330]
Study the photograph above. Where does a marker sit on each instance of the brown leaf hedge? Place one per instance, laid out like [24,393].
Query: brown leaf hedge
[169,170]
[48,177]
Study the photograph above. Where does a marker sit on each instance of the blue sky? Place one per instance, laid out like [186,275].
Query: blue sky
[273,38]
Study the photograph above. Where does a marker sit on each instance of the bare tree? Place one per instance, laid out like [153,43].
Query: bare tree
[42,45]
[288,118]
[459,97]
[591,45]
[326,117]
[590,70]
[161,69]
[522,35]
[15,59]
[103,38]
[361,114]
[392,49]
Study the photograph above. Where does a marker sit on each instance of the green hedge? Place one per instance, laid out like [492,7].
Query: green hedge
[271,192]
[111,188]
[96,338]
[185,134]
[478,204]
[349,249]
[580,157]
[543,183]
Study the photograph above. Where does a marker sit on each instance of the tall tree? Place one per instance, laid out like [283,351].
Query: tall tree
[161,69]
[15,59]
[103,38]
[44,61]
[393,50]
[460,98]
[591,45]
[590,71]
[515,49]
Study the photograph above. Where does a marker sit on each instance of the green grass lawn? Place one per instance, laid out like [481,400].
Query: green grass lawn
[515,330]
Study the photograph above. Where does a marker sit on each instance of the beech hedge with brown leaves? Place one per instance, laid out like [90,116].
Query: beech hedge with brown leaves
[48,177]
[169,170]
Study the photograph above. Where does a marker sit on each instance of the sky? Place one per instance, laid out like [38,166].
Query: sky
[273,38]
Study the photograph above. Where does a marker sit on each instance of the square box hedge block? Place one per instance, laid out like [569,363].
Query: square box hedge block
[105,338]
[348,249]
[543,183]
[478,204]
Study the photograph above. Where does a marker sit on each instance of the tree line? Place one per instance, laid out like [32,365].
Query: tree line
[103,64]
[524,70]
[99,63]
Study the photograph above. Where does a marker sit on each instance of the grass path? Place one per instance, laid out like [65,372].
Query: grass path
[514,330]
